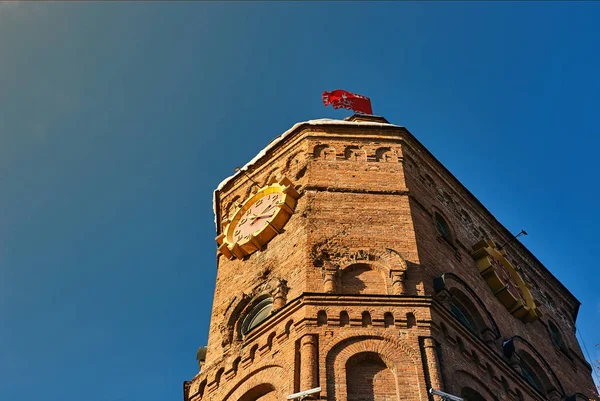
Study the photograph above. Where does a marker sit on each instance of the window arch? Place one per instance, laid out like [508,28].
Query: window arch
[442,226]
[265,391]
[324,152]
[530,377]
[555,335]
[472,388]
[368,377]
[451,290]
[321,318]
[366,319]
[463,316]
[465,311]
[258,314]
[388,319]
[533,367]
[344,318]
[532,372]
[411,320]
[362,278]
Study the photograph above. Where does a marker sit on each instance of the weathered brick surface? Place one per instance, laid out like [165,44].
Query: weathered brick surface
[358,260]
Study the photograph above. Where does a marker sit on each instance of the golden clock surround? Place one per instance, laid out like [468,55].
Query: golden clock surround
[286,206]
[488,256]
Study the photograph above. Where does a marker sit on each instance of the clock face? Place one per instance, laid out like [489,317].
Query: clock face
[256,216]
[260,218]
[505,281]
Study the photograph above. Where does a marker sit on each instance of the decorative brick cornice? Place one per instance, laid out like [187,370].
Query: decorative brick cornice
[319,188]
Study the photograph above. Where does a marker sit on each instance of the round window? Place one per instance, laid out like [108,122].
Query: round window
[257,315]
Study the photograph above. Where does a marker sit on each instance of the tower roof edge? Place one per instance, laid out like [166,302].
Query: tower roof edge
[354,120]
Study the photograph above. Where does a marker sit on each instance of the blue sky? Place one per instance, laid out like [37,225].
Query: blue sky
[117,121]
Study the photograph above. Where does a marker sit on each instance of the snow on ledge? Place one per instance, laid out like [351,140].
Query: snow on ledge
[321,121]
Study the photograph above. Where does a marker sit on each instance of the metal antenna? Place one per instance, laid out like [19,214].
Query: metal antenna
[247,176]
[523,232]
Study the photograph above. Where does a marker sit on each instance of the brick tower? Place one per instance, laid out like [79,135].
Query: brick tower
[350,259]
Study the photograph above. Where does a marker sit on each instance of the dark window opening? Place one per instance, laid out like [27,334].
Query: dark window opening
[344,318]
[556,337]
[463,317]
[442,227]
[257,315]
[528,375]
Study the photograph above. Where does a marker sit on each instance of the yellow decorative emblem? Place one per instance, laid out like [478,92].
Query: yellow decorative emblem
[260,218]
[505,281]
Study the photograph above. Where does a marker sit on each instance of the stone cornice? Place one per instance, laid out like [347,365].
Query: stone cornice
[321,300]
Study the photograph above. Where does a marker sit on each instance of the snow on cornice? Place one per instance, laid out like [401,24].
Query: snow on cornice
[318,122]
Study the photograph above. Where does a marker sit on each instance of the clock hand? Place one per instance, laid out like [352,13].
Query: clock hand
[268,208]
[261,216]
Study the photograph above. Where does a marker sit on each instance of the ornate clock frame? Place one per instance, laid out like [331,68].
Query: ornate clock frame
[505,281]
[231,248]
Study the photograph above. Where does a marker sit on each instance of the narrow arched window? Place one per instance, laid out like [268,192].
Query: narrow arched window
[411,320]
[458,311]
[529,376]
[321,318]
[257,315]
[531,372]
[344,318]
[555,334]
[388,319]
[442,227]
[288,327]
[366,319]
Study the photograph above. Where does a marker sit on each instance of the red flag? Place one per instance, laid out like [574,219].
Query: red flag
[347,100]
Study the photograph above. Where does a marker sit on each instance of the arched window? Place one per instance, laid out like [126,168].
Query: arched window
[528,375]
[218,375]
[555,335]
[321,318]
[465,311]
[531,372]
[202,387]
[288,327]
[388,319]
[463,316]
[411,320]
[344,318]
[468,394]
[366,319]
[257,315]
[442,227]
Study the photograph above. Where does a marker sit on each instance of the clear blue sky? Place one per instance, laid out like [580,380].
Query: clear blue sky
[117,121]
